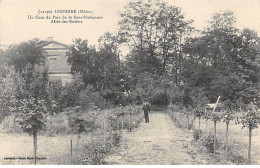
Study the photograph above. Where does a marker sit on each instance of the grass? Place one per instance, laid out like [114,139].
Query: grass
[56,149]
[238,138]
[54,141]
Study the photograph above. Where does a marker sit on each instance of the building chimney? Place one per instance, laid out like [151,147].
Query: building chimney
[49,38]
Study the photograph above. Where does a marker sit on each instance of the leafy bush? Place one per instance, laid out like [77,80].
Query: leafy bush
[234,153]
[56,94]
[208,142]
[89,98]
[190,126]
[149,87]
[173,107]
[7,90]
[9,125]
[197,134]
[71,92]
[57,124]
[160,98]
[116,139]
[96,151]
[116,97]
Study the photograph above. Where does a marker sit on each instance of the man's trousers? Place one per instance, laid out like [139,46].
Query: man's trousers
[146,116]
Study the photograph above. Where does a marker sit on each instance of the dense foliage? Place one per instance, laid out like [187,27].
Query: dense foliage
[169,63]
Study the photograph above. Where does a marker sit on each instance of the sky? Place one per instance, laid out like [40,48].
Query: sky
[15,26]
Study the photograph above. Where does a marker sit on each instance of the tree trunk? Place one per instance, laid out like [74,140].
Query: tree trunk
[215,132]
[187,117]
[249,148]
[91,144]
[130,122]
[122,122]
[227,123]
[164,64]
[35,146]
[194,122]
[104,134]
[118,126]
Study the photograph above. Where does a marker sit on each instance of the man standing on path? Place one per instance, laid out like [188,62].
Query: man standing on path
[146,108]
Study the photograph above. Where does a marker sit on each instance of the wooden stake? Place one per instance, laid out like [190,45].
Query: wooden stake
[227,142]
[129,125]
[35,146]
[71,151]
[249,148]
[215,130]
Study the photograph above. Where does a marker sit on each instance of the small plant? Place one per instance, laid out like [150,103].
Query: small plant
[228,115]
[173,107]
[215,117]
[234,153]
[190,126]
[95,152]
[199,112]
[115,139]
[31,116]
[250,120]
[197,134]
[210,143]
[80,123]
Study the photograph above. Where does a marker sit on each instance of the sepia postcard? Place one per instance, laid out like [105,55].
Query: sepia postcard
[129,82]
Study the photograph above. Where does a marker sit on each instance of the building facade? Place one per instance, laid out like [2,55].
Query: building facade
[56,61]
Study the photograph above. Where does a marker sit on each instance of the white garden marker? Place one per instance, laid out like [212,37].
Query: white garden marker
[213,110]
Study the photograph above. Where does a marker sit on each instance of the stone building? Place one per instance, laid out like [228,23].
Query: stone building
[58,67]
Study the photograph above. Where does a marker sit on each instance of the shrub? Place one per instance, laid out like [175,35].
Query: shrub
[89,98]
[56,92]
[9,125]
[197,134]
[116,139]
[7,90]
[82,122]
[96,151]
[57,124]
[116,97]
[160,98]
[173,107]
[190,126]
[235,153]
[208,142]
[70,94]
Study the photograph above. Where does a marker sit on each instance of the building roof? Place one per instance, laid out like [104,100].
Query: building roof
[45,43]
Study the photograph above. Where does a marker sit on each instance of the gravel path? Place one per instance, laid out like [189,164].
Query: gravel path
[156,143]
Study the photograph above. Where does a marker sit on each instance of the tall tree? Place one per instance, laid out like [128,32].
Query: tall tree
[84,60]
[154,31]
[25,54]
[98,67]
[223,60]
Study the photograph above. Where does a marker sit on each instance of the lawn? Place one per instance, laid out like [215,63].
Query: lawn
[55,149]
[237,136]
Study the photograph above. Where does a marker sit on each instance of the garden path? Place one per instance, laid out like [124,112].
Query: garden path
[156,143]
